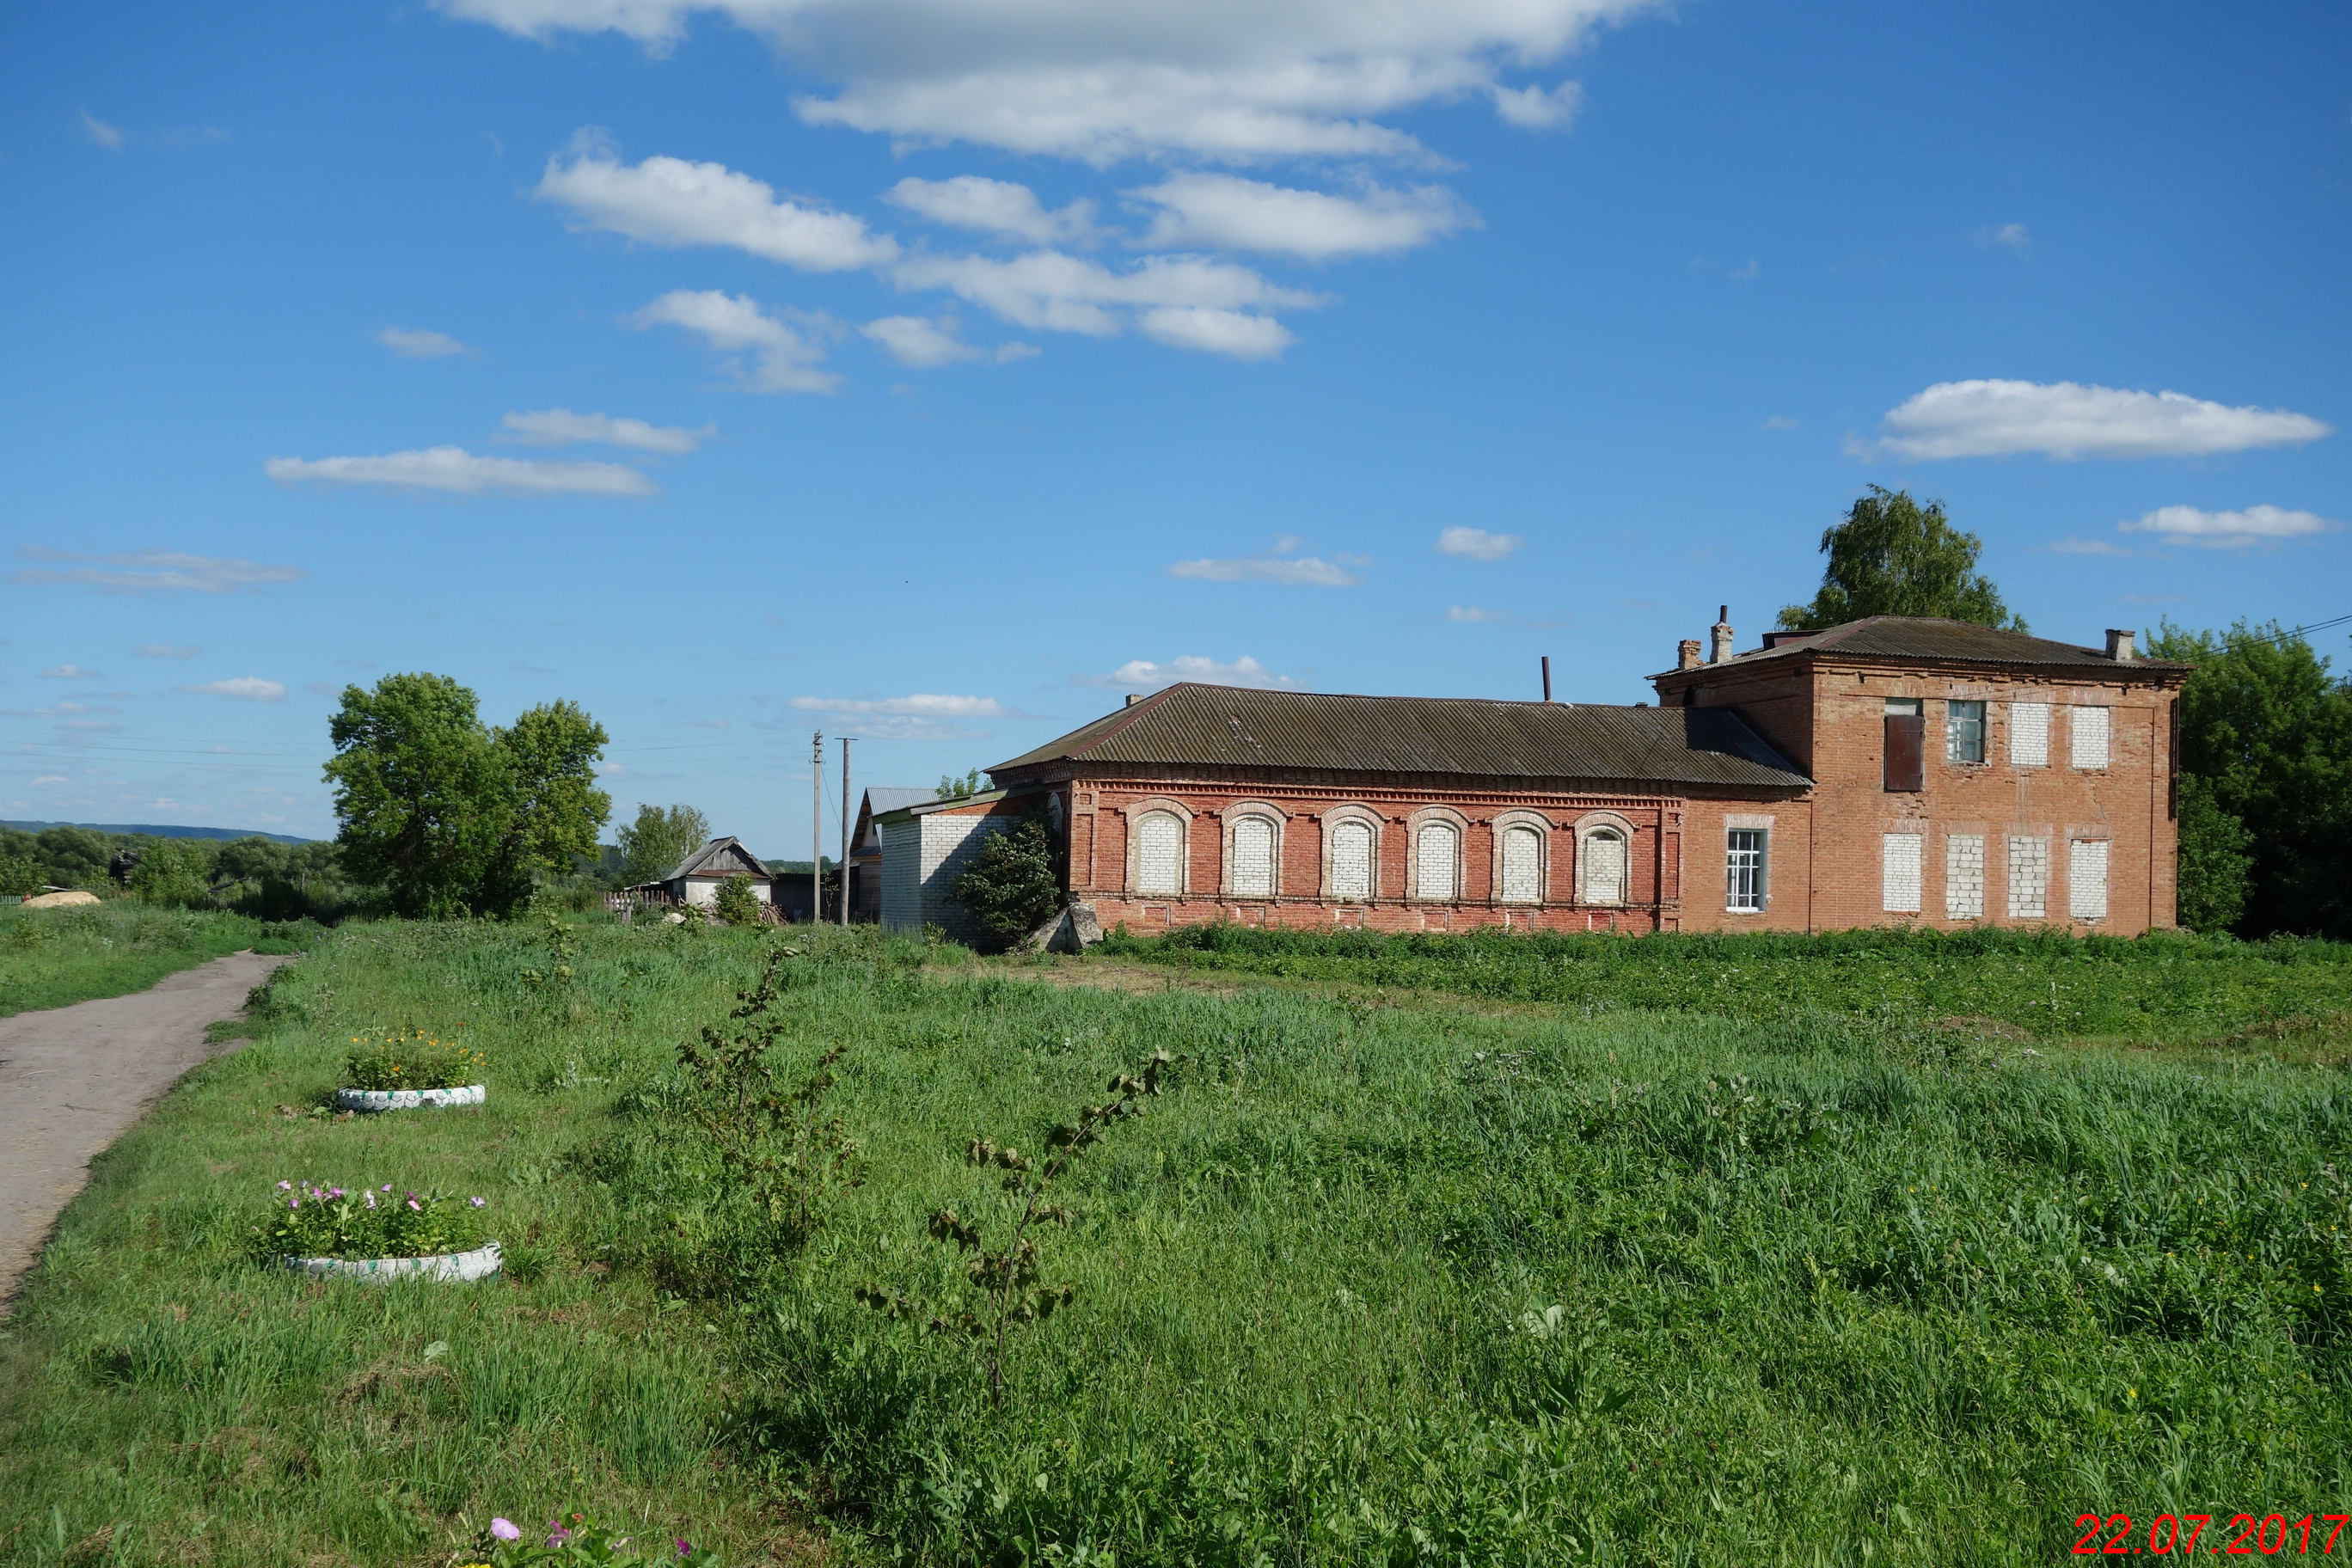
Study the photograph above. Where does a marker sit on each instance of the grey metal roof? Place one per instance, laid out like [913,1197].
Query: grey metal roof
[1943,641]
[700,857]
[1193,725]
[880,798]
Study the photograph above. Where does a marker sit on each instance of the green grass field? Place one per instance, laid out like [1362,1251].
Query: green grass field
[1393,1281]
[50,958]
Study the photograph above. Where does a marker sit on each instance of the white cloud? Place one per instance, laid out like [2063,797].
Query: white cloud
[2011,235]
[1476,544]
[1537,108]
[459,472]
[1149,675]
[562,427]
[1780,422]
[781,359]
[921,716]
[925,344]
[151,571]
[2068,420]
[1275,78]
[1282,567]
[52,778]
[1225,212]
[672,203]
[995,206]
[72,672]
[2088,547]
[107,136]
[1474,615]
[416,342]
[2230,530]
[165,651]
[1187,301]
[251,687]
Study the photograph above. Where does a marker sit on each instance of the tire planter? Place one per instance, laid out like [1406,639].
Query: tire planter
[453,1267]
[372,1100]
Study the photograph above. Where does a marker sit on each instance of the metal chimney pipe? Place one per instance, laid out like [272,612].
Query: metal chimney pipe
[1546,669]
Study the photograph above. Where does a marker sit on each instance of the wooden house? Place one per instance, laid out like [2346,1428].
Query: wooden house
[697,878]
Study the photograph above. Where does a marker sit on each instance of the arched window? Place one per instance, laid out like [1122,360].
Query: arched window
[1437,858]
[1252,869]
[1522,866]
[1159,853]
[1352,859]
[1602,861]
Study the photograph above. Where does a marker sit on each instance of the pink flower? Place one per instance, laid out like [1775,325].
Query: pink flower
[414,1205]
[558,1536]
[682,1547]
[387,1186]
[504,1528]
[285,1186]
[293,1203]
[478,1203]
[371,1198]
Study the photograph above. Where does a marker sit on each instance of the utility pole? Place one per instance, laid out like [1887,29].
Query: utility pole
[844,833]
[816,828]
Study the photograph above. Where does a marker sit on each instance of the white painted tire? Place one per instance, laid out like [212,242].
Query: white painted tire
[457,1268]
[409,1099]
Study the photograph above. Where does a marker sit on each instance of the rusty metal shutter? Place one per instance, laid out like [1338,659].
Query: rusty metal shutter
[1907,747]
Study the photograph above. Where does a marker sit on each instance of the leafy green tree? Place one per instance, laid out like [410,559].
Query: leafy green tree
[2214,859]
[659,839]
[19,874]
[1891,556]
[74,857]
[953,788]
[449,816]
[736,903]
[1012,886]
[2268,733]
[176,871]
[251,860]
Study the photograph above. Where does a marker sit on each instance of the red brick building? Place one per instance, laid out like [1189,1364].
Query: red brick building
[1889,770]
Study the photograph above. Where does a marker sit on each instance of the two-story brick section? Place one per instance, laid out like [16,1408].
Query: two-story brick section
[1890,771]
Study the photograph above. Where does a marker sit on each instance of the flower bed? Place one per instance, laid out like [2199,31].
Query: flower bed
[375,1234]
[579,1539]
[408,1070]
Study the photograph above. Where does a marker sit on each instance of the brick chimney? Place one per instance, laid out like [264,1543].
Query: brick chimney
[1686,654]
[1723,636]
[2120,645]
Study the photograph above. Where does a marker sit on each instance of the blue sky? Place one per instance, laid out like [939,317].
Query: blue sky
[938,373]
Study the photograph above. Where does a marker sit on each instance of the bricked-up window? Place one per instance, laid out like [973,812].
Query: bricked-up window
[1604,867]
[1351,860]
[1899,873]
[2087,879]
[2029,876]
[1437,855]
[1964,875]
[1522,866]
[1964,731]
[1252,858]
[1906,745]
[2090,728]
[2029,734]
[1745,868]
[1160,854]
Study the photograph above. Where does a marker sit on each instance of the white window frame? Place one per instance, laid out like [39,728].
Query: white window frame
[1135,812]
[2091,743]
[1535,822]
[1984,731]
[1234,815]
[2020,755]
[1589,826]
[1731,866]
[1429,816]
[1371,819]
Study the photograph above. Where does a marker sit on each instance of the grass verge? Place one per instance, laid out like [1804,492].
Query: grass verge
[52,958]
[1368,1284]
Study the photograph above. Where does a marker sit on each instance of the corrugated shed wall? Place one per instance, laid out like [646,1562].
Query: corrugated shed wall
[902,879]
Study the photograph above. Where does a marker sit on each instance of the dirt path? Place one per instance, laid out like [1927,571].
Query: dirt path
[73,1080]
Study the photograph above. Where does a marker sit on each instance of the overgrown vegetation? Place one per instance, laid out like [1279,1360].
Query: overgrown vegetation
[50,958]
[1012,886]
[411,1058]
[735,902]
[320,1220]
[1383,1283]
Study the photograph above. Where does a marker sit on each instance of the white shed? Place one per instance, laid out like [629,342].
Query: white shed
[697,878]
[925,847]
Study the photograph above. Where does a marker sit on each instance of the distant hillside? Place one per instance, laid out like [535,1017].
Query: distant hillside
[160,830]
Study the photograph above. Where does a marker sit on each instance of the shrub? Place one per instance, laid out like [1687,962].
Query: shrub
[1010,887]
[736,903]
[410,1058]
[315,1221]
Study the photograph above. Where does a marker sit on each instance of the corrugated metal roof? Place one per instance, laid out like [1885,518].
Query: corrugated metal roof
[1235,727]
[1955,642]
[700,857]
[880,798]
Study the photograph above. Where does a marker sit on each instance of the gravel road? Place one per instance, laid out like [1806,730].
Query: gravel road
[73,1080]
